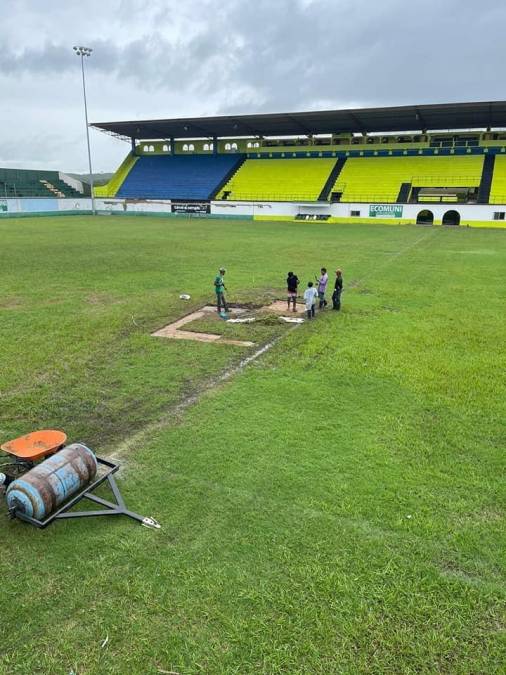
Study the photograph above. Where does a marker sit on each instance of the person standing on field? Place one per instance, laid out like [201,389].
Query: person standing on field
[310,295]
[292,282]
[220,288]
[338,289]
[322,287]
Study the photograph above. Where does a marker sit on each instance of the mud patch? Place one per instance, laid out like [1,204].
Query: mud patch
[174,414]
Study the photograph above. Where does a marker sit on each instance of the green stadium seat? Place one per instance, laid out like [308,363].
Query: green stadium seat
[16,183]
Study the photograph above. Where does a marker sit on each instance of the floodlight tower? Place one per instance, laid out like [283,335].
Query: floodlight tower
[82,52]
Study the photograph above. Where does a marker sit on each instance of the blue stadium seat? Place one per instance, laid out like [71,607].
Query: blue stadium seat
[177,177]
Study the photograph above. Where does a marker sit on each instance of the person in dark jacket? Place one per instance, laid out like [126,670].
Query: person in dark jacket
[292,282]
[338,289]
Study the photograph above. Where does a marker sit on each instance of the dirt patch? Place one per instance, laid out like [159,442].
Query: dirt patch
[173,330]
[100,299]
[11,303]
[280,307]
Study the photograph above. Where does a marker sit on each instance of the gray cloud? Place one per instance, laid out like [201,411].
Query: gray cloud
[166,58]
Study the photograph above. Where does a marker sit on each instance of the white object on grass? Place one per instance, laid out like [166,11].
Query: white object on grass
[184,296]
[249,319]
[291,319]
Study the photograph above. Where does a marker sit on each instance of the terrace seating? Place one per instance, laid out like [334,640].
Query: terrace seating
[16,183]
[177,177]
[379,179]
[278,180]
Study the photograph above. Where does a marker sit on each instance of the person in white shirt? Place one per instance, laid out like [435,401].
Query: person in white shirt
[310,295]
[322,287]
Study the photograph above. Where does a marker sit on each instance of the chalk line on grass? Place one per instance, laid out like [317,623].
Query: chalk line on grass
[175,411]
[428,235]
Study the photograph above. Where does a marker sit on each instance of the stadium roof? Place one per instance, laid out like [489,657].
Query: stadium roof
[400,118]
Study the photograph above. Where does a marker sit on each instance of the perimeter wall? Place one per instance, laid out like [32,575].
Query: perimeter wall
[482,215]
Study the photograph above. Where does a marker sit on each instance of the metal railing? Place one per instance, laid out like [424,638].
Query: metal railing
[270,197]
[439,181]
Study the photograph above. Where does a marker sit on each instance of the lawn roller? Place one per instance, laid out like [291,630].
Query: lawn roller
[45,478]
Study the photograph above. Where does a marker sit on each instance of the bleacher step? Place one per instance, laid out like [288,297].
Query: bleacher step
[228,177]
[403,196]
[486,179]
[331,180]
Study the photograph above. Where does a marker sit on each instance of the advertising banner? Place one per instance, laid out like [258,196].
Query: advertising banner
[3,206]
[385,211]
[191,207]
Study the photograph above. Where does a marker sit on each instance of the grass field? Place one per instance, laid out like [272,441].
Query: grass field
[335,507]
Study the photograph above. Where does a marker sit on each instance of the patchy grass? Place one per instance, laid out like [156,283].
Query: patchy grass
[338,507]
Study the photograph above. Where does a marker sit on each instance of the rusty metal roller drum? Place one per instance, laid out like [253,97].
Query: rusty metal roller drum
[42,489]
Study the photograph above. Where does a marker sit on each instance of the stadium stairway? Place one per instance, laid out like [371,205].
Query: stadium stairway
[227,178]
[403,196]
[486,179]
[332,179]
[177,177]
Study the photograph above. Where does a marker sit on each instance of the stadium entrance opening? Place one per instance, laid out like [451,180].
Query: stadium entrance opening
[451,218]
[425,217]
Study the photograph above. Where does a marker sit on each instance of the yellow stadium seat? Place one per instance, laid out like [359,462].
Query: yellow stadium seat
[498,189]
[279,180]
[379,179]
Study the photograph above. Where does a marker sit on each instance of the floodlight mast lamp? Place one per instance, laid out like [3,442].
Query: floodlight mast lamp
[82,52]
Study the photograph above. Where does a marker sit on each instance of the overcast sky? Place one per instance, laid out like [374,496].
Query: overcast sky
[171,58]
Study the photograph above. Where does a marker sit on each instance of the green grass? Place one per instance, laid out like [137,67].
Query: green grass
[337,507]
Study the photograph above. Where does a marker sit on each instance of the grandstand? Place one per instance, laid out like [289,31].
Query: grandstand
[18,183]
[333,165]
[176,177]
[385,155]
[401,179]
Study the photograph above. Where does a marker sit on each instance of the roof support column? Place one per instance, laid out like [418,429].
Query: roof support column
[215,145]
[133,145]
[172,146]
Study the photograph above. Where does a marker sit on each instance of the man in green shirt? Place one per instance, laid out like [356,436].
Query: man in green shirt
[220,288]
